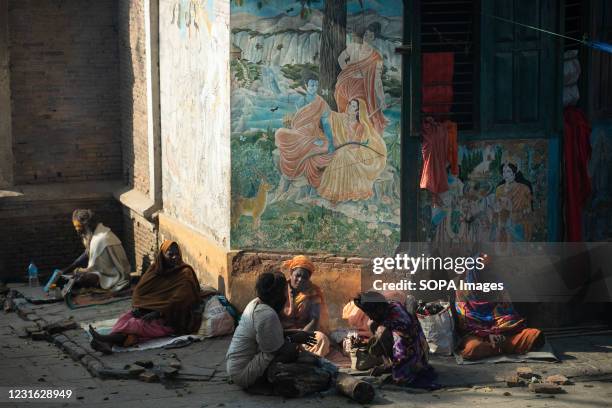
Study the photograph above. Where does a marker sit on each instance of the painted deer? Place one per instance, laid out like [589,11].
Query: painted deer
[252,206]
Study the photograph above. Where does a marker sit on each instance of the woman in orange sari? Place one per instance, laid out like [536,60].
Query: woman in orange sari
[359,158]
[306,309]
[361,77]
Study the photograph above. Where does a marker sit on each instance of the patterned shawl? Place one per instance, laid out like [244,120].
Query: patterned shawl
[482,317]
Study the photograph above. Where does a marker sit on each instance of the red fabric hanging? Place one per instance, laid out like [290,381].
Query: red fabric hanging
[576,153]
[437,82]
[435,156]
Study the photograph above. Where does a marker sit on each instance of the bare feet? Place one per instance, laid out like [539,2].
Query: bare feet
[101,346]
[94,333]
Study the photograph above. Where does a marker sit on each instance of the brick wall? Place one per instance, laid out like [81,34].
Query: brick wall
[42,231]
[140,234]
[132,66]
[65,90]
[338,277]
[140,240]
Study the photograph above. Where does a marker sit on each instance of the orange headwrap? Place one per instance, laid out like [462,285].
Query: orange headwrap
[300,261]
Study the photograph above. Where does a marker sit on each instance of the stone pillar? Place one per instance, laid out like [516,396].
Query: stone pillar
[6,136]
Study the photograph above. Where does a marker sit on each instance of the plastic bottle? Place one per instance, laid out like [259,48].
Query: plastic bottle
[33,275]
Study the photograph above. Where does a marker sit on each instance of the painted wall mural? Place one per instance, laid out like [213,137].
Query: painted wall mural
[315,125]
[500,195]
[194,103]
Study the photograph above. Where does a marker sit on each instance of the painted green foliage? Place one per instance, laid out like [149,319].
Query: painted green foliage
[276,68]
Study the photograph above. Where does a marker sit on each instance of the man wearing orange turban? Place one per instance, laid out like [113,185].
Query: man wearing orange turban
[306,308]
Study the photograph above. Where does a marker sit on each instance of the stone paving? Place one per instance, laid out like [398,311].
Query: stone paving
[66,360]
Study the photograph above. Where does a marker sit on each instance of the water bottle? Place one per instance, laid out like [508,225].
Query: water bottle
[32,275]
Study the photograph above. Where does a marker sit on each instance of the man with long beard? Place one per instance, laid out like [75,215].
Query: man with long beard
[104,263]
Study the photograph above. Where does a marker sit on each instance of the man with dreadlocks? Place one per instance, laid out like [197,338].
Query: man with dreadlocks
[104,263]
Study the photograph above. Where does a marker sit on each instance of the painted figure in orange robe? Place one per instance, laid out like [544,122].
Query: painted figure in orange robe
[361,76]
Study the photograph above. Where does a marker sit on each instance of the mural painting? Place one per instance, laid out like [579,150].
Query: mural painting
[598,217]
[194,107]
[315,125]
[499,195]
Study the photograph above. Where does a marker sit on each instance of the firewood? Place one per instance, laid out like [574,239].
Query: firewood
[356,389]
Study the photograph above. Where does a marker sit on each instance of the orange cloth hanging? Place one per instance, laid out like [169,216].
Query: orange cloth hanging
[453,147]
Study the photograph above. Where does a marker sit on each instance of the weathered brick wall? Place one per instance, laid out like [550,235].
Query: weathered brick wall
[338,277]
[65,90]
[132,66]
[140,234]
[140,240]
[41,230]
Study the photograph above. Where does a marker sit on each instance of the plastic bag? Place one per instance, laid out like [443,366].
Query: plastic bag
[439,330]
[216,320]
[356,318]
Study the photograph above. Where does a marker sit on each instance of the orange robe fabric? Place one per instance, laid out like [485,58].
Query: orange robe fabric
[298,153]
[475,348]
[357,81]
[297,315]
[453,147]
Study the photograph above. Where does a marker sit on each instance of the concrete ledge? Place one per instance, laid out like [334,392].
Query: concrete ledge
[136,201]
[60,191]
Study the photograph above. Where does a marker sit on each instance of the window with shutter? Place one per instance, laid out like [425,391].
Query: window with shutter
[600,79]
[519,67]
[447,26]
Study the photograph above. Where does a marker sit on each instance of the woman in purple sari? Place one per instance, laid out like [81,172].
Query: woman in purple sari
[399,339]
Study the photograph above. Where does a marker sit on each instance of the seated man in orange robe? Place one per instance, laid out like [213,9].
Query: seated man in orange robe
[306,308]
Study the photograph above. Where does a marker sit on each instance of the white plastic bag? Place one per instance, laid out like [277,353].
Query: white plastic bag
[439,330]
[216,321]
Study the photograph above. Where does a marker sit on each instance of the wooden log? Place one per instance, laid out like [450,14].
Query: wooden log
[354,388]
[294,380]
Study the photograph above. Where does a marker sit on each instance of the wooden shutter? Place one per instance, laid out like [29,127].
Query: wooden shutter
[518,68]
[448,26]
[600,80]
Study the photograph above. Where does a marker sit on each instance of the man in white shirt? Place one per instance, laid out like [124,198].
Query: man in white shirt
[259,343]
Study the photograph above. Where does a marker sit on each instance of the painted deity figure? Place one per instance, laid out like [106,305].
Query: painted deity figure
[361,76]
[447,217]
[359,158]
[304,147]
[340,154]
[513,206]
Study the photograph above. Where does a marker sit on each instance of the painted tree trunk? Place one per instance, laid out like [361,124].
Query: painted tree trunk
[333,42]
